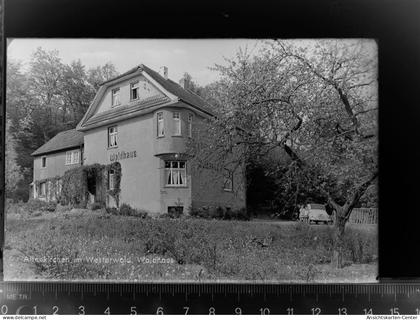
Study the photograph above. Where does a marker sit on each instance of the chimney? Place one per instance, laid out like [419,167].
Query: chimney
[183,82]
[164,72]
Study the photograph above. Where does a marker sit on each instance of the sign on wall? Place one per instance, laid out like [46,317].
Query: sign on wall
[121,155]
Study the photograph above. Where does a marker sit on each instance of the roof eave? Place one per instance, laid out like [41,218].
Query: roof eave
[37,154]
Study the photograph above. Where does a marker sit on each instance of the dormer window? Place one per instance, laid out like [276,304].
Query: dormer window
[115,97]
[134,91]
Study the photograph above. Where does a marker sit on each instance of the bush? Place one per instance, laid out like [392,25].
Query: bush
[359,247]
[38,205]
[127,210]
[113,211]
[95,206]
[219,213]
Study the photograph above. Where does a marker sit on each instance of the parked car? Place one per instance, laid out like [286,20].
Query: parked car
[314,212]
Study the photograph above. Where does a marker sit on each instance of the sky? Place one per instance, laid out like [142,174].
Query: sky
[192,56]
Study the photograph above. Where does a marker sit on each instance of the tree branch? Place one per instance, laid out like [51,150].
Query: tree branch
[358,194]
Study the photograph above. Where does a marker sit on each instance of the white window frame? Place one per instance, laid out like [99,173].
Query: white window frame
[42,162]
[113,137]
[175,176]
[134,87]
[190,120]
[115,97]
[72,157]
[75,157]
[160,124]
[227,180]
[111,180]
[176,118]
[69,157]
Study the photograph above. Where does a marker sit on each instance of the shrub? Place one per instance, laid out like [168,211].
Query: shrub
[51,206]
[219,213]
[95,206]
[359,246]
[127,210]
[113,211]
[34,205]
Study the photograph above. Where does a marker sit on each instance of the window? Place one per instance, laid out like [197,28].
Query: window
[72,157]
[175,173]
[43,162]
[190,118]
[160,125]
[177,124]
[115,97]
[112,137]
[68,157]
[175,211]
[43,189]
[76,156]
[134,90]
[227,180]
[111,180]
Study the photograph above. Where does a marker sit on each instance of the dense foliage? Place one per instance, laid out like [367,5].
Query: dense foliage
[76,184]
[314,101]
[43,98]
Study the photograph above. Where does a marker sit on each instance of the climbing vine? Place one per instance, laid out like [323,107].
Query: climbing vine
[78,183]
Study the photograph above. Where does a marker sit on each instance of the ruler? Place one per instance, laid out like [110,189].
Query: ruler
[208,298]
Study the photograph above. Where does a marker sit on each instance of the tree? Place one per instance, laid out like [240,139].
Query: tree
[76,91]
[13,170]
[48,98]
[100,74]
[317,102]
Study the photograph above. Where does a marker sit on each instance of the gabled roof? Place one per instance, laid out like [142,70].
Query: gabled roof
[61,141]
[184,94]
[181,95]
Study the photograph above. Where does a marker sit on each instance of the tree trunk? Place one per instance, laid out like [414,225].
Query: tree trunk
[338,247]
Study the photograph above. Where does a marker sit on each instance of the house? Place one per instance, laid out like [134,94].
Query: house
[63,152]
[143,120]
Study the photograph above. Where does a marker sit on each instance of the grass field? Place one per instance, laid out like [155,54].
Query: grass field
[93,245]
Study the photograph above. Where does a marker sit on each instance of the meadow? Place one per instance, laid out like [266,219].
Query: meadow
[81,244]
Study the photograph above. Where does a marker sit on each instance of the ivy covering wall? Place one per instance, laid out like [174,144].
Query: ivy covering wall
[79,183]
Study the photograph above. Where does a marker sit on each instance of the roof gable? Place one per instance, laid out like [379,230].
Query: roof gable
[61,141]
[170,94]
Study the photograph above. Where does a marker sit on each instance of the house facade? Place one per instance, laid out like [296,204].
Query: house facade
[63,152]
[143,120]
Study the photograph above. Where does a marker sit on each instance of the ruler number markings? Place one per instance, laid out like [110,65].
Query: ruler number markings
[316,311]
[265,311]
[342,311]
[107,311]
[368,311]
[133,310]
[4,309]
[55,310]
[81,310]
[395,310]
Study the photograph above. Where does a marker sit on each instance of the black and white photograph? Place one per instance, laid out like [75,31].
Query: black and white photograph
[199,160]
